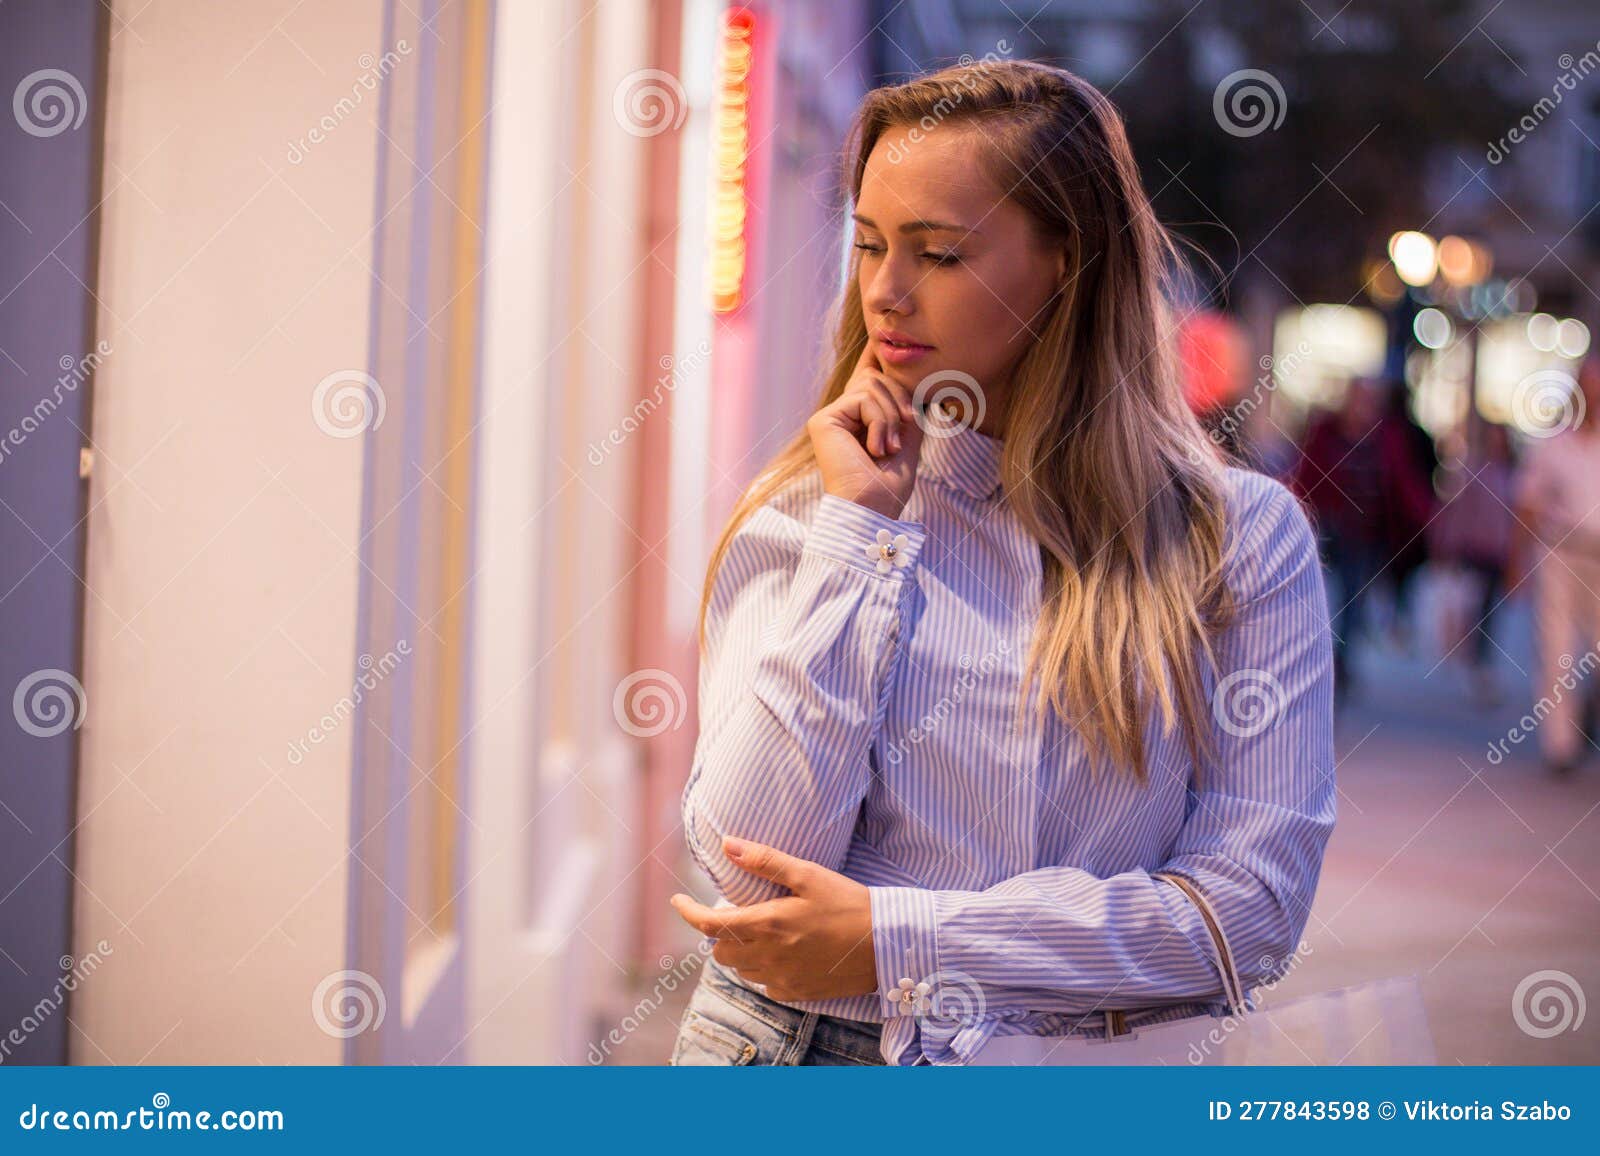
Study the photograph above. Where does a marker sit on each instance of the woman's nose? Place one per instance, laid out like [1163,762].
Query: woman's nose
[891,289]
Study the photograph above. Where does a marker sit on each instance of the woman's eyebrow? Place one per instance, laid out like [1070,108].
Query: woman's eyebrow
[921,226]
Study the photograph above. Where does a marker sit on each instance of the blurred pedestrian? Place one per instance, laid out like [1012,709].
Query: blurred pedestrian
[1558,547]
[1473,533]
[1340,477]
[1408,463]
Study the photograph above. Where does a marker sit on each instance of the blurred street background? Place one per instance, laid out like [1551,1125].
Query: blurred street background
[375,376]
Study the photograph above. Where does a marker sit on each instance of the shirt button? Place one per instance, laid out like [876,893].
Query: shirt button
[910,991]
[888,551]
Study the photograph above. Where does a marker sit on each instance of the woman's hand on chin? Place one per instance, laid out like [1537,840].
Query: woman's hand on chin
[868,440]
[815,943]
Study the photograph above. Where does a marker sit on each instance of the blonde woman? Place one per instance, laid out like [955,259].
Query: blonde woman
[972,674]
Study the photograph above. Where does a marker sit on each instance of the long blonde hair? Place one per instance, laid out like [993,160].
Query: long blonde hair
[1103,461]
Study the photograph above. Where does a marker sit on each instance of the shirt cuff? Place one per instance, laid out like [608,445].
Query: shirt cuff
[905,944]
[864,539]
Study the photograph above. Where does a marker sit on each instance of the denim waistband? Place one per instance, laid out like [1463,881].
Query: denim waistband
[783,1018]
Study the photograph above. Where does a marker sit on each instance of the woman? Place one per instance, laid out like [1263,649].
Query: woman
[969,679]
[1556,549]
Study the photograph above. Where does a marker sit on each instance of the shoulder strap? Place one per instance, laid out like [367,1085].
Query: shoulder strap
[1232,987]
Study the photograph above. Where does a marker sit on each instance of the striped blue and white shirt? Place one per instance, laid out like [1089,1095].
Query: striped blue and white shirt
[860,716]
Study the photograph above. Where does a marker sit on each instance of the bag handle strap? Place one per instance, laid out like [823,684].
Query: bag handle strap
[1232,986]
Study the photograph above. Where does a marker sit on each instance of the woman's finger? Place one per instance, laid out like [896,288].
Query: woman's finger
[868,358]
[846,411]
[725,923]
[851,406]
[903,397]
[889,410]
[872,412]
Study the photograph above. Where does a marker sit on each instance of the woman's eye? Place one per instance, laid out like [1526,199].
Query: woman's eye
[935,258]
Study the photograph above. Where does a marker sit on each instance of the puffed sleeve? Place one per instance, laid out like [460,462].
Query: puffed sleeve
[800,630]
[1062,939]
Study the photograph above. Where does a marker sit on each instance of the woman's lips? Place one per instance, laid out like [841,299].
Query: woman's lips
[901,352]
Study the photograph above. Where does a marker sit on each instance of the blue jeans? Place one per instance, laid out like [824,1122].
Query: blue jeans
[727,1025]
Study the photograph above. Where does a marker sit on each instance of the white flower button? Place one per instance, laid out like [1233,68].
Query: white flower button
[909,992]
[889,552]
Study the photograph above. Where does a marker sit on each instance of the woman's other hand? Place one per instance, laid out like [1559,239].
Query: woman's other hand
[815,943]
[868,440]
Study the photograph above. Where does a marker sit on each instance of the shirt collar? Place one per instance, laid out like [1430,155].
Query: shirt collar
[959,456]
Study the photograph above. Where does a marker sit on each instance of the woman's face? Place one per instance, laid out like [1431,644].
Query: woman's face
[952,272]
